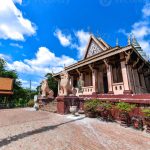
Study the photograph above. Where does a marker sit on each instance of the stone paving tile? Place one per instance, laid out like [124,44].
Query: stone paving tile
[24,129]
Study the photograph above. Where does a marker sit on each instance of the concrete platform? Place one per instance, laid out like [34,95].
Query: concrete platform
[25,129]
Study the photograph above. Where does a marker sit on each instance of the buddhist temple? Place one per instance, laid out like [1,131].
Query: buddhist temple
[111,70]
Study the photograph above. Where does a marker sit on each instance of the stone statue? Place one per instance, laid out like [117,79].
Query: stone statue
[80,84]
[65,86]
[46,91]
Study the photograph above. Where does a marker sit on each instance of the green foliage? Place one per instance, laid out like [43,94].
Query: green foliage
[146,112]
[2,66]
[30,103]
[125,107]
[21,96]
[106,105]
[52,83]
[92,105]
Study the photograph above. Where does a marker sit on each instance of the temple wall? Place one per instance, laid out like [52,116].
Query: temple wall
[138,87]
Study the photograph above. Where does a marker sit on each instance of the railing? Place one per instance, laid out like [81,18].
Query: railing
[118,88]
[85,91]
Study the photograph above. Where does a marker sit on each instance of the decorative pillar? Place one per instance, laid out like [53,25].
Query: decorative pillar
[71,81]
[58,87]
[125,78]
[130,78]
[109,77]
[94,81]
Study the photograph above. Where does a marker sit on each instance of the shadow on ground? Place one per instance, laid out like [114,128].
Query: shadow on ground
[11,139]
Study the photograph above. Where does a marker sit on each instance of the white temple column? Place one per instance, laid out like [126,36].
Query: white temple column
[94,80]
[109,77]
[58,87]
[71,81]
[125,77]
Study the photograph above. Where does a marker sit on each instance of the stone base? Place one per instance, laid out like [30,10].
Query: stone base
[46,104]
[110,92]
[64,103]
[127,92]
[94,93]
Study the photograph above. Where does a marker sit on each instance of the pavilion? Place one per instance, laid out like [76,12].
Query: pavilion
[111,70]
[6,89]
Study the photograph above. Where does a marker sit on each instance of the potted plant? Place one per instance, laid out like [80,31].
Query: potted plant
[124,109]
[146,112]
[90,107]
[73,107]
[105,111]
[137,122]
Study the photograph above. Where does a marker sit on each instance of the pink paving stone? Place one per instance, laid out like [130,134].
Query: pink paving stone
[24,129]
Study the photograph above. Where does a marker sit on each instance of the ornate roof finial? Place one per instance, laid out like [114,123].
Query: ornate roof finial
[52,72]
[97,34]
[117,42]
[64,66]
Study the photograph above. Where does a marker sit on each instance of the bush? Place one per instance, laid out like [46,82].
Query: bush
[92,105]
[106,105]
[30,103]
[125,107]
[146,112]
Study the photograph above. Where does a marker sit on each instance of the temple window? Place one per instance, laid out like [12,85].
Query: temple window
[116,72]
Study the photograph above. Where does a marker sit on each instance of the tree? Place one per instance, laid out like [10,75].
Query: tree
[2,66]
[52,83]
[21,95]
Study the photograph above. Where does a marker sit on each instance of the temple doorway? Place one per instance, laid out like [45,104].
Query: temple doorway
[105,82]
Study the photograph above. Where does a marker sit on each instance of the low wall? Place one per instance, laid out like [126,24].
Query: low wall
[140,100]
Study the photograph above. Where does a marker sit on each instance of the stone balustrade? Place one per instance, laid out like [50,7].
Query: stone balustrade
[118,88]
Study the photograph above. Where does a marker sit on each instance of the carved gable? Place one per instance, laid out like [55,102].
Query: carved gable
[95,46]
[93,49]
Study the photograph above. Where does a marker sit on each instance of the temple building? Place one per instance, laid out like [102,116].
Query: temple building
[111,70]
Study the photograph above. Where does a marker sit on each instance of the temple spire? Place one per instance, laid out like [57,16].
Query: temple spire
[117,42]
[129,39]
[136,44]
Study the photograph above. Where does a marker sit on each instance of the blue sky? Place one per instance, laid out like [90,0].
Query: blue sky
[40,36]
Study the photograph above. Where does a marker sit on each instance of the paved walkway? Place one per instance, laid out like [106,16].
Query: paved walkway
[24,129]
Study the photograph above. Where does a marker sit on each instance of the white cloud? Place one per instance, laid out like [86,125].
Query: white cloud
[16,45]
[83,38]
[26,83]
[146,10]
[65,40]
[44,62]
[17,1]
[12,23]
[141,29]
[5,57]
